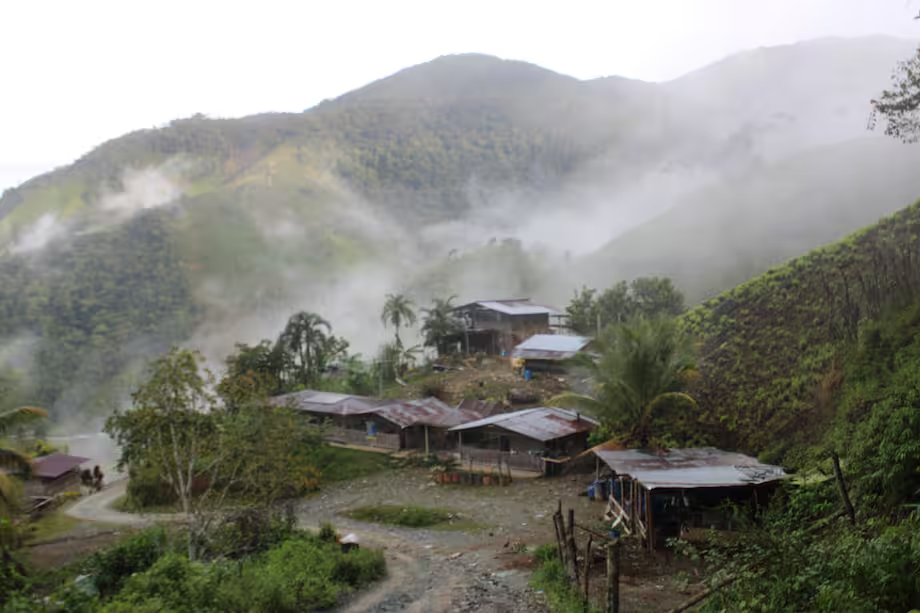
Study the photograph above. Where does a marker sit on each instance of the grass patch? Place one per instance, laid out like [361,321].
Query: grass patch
[51,526]
[342,464]
[551,577]
[413,517]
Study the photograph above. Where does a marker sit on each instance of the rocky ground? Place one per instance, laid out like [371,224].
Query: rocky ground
[481,563]
[483,566]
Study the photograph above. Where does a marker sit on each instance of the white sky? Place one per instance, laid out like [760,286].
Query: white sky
[76,73]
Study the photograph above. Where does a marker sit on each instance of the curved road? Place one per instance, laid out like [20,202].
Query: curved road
[444,575]
[99,507]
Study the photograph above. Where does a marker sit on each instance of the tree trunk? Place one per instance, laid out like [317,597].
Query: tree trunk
[842,489]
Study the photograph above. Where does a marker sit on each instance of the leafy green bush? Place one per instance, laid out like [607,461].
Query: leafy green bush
[113,566]
[174,584]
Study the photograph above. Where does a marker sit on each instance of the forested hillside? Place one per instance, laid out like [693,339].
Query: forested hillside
[774,349]
[215,231]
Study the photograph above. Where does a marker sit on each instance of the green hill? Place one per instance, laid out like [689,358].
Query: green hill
[774,348]
[213,231]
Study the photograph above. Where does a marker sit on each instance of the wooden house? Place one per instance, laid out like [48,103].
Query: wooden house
[536,440]
[496,326]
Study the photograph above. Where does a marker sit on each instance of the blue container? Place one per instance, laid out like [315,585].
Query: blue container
[528,375]
[591,491]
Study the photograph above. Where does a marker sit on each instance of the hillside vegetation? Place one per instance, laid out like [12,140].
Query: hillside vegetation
[773,349]
[213,231]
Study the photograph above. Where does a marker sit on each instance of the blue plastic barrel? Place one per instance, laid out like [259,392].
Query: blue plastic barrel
[591,491]
[527,375]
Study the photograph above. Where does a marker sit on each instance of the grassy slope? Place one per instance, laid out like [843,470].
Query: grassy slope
[772,348]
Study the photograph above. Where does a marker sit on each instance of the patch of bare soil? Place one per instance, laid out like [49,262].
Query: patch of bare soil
[486,378]
[72,547]
[485,569]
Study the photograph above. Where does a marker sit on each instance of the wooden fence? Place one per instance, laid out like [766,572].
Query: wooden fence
[486,458]
[360,438]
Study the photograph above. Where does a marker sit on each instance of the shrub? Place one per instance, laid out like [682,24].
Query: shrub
[113,566]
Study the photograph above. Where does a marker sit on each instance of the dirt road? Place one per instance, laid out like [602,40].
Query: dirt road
[483,567]
[99,508]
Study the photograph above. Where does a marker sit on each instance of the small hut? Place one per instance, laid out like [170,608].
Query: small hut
[54,474]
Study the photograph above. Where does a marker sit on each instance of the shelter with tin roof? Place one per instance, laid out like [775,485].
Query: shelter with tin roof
[669,493]
[548,352]
[526,439]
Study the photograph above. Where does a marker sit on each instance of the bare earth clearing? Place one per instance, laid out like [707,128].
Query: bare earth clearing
[433,571]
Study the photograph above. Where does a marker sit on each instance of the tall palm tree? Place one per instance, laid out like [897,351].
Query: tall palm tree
[398,311]
[304,339]
[439,323]
[10,459]
[639,368]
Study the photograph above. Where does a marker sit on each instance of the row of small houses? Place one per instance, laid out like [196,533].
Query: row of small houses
[475,431]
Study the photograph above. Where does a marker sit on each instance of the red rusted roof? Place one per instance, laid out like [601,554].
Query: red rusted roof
[427,412]
[54,465]
[541,423]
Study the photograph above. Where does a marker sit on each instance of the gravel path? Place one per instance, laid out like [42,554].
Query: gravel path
[98,507]
[428,570]
[450,570]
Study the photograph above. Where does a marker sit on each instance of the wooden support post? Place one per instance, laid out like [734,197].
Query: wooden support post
[587,572]
[842,489]
[650,520]
[573,552]
[613,576]
[560,536]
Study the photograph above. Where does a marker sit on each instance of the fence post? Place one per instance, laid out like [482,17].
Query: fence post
[613,576]
[573,552]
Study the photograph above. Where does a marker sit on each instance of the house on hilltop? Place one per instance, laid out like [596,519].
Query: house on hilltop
[536,440]
[496,326]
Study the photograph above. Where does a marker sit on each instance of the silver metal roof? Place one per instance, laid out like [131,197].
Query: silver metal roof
[541,423]
[550,347]
[689,468]
[516,306]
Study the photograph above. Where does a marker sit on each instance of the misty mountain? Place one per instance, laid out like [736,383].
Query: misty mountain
[723,234]
[418,181]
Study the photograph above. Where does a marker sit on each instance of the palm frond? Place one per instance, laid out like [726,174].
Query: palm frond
[577,401]
[13,418]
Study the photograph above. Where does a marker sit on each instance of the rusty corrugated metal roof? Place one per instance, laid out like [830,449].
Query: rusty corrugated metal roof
[550,347]
[541,423]
[689,468]
[54,465]
[427,412]
[404,413]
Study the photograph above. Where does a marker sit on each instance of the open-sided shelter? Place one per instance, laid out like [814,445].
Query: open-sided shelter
[662,494]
